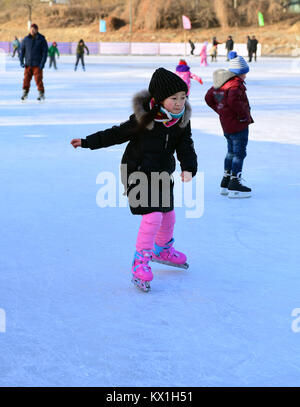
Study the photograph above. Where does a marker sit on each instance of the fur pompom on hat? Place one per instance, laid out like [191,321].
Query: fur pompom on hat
[164,84]
[237,64]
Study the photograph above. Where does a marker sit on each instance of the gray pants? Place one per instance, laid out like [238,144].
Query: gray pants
[78,58]
[52,61]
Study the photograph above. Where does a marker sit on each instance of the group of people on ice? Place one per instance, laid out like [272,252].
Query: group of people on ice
[229,46]
[33,53]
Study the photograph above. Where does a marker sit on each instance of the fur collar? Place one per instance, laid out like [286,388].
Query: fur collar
[142,99]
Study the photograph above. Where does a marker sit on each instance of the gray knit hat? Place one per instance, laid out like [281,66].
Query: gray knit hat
[237,64]
[164,84]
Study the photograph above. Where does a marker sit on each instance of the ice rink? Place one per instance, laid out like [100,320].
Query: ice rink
[69,315]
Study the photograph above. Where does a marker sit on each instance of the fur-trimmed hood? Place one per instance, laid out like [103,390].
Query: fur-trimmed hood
[142,99]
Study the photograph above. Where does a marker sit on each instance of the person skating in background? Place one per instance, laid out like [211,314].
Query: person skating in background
[34,50]
[203,54]
[192,47]
[53,50]
[228,98]
[229,45]
[80,54]
[254,43]
[159,127]
[16,47]
[183,70]
[214,49]
[249,48]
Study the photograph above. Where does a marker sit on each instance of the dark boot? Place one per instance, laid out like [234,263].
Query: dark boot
[25,94]
[41,96]
[236,189]
[224,183]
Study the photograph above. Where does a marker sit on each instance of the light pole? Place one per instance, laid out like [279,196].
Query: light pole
[29,15]
[130,17]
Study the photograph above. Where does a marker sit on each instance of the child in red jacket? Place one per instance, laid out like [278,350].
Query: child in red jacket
[228,98]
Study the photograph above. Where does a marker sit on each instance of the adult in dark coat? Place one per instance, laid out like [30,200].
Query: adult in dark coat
[249,48]
[229,45]
[254,43]
[34,49]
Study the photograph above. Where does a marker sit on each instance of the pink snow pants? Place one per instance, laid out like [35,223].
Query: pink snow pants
[203,60]
[155,227]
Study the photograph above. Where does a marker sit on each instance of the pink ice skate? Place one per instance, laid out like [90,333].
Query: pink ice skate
[169,256]
[141,271]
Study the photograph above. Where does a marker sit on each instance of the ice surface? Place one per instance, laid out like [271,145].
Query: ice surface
[73,318]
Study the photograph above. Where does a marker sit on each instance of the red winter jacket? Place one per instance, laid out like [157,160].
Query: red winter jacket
[231,103]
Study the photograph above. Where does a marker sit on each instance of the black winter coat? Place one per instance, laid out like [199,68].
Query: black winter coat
[249,44]
[151,151]
[254,43]
[35,50]
[229,45]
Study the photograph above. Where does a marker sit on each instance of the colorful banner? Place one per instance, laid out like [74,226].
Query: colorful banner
[186,23]
[102,26]
[261,21]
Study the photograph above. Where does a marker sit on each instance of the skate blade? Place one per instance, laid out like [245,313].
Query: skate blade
[168,263]
[238,194]
[141,284]
[224,191]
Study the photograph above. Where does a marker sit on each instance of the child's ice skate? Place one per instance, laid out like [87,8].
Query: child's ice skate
[141,271]
[169,256]
[236,189]
[224,183]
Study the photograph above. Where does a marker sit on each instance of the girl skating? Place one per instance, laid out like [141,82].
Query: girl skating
[183,70]
[203,54]
[159,127]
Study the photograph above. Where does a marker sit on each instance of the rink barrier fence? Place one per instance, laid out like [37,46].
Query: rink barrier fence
[137,48]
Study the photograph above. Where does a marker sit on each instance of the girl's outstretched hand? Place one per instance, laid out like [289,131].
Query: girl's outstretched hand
[186,176]
[76,142]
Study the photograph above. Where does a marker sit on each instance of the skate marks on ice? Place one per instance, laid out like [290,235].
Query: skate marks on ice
[35,135]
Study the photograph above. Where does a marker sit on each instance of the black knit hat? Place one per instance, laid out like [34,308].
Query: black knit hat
[164,84]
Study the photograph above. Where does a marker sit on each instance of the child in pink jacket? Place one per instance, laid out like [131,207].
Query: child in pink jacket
[183,70]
